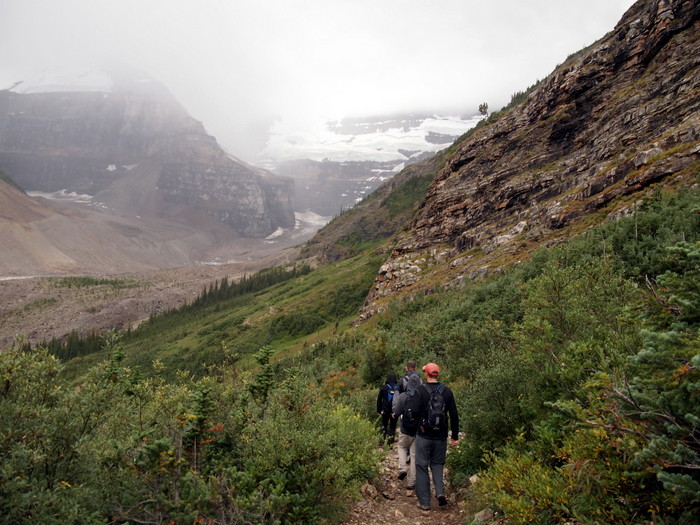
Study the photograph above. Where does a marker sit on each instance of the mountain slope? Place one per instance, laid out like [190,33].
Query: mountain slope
[88,133]
[612,123]
[40,238]
[377,217]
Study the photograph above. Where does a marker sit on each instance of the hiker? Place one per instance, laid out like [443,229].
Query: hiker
[408,409]
[437,406]
[385,400]
[403,382]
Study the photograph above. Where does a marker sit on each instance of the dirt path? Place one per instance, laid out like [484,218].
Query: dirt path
[386,501]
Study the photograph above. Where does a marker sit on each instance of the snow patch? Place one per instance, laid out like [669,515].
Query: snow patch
[275,234]
[217,262]
[65,80]
[311,218]
[376,144]
[64,195]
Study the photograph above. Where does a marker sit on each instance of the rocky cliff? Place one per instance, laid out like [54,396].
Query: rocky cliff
[613,122]
[129,131]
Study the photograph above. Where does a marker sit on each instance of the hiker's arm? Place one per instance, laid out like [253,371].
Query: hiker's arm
[454,419]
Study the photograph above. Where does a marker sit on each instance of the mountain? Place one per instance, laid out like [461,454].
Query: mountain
[54,237]
[613,123]
[119,136]
[376,218]
[336,164]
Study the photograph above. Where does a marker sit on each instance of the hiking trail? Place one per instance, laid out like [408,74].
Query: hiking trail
[386,501]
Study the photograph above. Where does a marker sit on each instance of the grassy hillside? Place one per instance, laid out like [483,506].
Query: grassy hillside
[230,327]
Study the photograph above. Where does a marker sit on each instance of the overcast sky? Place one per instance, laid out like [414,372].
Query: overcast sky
[237,64]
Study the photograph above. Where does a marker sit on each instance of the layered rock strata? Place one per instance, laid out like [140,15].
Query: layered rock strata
[611,123]
[91,142]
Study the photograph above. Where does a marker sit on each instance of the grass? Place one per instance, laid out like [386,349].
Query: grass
[85,282]
[40,303]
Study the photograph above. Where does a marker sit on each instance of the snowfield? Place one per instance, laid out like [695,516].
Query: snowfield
[377,143]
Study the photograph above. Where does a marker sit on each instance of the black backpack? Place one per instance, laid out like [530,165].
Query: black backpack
[411,412]
[435,417]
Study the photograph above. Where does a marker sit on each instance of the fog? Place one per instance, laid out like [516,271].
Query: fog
[238,65]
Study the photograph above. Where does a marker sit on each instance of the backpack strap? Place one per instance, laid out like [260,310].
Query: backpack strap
[438,389]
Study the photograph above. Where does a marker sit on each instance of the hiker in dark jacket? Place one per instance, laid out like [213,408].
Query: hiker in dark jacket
[407,410]
[431,443]
[385,400]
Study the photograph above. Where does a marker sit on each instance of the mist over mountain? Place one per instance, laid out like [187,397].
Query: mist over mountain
[120,178]
[336,164]
[120,136]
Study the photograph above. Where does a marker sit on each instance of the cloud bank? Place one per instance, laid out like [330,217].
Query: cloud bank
[238,65]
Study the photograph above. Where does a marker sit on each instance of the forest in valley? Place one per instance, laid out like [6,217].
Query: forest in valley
[576,373]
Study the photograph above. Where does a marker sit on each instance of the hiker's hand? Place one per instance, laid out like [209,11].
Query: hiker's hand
[453,442]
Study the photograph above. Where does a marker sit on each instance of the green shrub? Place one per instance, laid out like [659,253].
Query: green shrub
[47,465]
[309,453]
[295,324]
[623,448]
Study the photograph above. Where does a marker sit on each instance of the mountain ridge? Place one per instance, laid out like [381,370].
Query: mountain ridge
[610,124]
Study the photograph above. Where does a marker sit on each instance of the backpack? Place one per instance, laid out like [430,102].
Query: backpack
[411,410]
[391,390]
[403,382]
[435,417]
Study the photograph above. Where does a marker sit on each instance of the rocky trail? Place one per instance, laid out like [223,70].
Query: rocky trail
[386,501]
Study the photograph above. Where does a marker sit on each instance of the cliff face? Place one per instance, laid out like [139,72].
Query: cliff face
[610,124]
[93,141]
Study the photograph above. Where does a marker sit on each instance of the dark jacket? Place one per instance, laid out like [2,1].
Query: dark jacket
[384,404]
[450,408]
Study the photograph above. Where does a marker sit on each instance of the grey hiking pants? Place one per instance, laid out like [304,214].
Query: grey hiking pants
[429,453]
[407,445]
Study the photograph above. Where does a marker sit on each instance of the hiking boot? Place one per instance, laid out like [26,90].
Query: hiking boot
[442,500]
[403,474]
[423,508]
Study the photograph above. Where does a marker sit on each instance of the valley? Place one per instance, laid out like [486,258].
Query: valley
[151,265]
[38,309]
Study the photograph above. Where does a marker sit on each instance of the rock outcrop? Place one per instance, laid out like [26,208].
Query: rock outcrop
[613,122]
[130,131]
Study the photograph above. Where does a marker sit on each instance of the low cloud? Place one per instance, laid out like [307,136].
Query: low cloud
[237,66]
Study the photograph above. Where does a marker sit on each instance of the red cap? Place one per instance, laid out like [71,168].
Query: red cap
[431,369]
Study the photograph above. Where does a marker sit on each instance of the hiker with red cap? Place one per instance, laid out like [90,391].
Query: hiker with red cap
[438,419]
